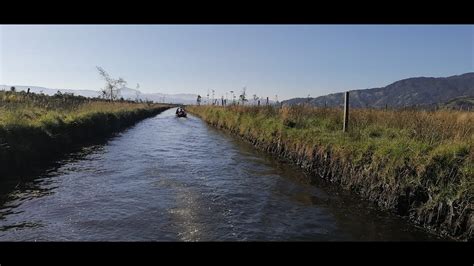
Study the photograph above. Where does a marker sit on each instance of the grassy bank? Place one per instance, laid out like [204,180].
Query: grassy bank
[37,128]
[416,163]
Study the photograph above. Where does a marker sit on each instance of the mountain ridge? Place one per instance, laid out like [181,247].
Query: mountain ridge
[414,91]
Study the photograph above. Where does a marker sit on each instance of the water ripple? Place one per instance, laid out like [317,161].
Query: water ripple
[171,179]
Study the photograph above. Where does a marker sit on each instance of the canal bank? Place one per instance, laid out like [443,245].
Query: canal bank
[28,146]
[178,179]
[356,163]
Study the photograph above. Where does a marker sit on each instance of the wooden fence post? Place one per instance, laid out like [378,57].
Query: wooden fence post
[346,112]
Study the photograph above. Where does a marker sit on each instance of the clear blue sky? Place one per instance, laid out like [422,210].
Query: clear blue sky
[288,60]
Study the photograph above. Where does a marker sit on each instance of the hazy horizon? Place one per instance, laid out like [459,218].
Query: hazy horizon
[287,60]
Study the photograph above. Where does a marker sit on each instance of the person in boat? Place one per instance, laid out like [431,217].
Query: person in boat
[180,112]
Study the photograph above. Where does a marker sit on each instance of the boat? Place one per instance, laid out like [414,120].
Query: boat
[181,113]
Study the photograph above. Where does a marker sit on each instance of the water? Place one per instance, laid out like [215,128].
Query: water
[169,179]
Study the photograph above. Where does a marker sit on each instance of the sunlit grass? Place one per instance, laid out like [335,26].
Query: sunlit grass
[36,127]
[38,110]
[389,151]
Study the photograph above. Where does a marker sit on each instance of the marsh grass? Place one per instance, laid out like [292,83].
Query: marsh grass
[36,127]
[420,163]
[20,108]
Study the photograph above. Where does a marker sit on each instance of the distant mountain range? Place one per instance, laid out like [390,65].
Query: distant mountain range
[419,91]
[126,93]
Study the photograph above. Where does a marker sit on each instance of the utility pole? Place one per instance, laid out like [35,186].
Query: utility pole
[346,112]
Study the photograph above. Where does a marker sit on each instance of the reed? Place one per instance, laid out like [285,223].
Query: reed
[417,163]
[35,128]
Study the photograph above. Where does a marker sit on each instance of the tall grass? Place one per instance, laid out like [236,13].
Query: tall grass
[35,128]
[419,163]
[20,108]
